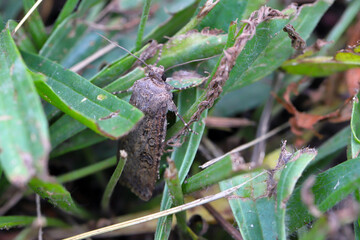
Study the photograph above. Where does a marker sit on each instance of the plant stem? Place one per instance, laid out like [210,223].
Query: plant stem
[113,181]
[144,17]
[172,181]
[86,171]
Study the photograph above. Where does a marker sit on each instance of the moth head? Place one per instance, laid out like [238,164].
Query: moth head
[157,73]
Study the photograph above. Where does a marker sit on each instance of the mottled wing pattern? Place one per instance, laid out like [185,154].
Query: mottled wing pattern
[144,144]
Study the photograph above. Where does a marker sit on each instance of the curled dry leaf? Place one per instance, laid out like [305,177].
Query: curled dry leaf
[305,121]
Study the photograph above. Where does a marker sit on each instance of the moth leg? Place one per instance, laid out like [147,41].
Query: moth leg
[160,47]
[123,91]
[173,108]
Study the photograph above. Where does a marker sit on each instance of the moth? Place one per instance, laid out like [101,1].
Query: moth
[144,145]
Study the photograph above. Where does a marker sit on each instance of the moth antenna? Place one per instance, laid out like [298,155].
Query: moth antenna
[112,42]
[195,60]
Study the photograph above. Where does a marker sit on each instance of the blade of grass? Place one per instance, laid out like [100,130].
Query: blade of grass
[65,12]
[183,157]
[7,222]
[105,201]
[35,23]
[330,187]
[87,171]
[177,198]
[58,196]
[184,207]
[144,17]
[97,109]
[286,184]
[24,137]
[173,25]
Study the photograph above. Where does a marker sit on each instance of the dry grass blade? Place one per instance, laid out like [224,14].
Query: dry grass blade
[150,217]
[32,9]
[247,145]
[79,66]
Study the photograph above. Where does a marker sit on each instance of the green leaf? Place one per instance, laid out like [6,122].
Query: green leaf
[289,176]
[254,215]
[179,50]
[183,157]
[58,196]
[65,12]
[24,137]
[224,169]
[322,66]
[330,187]
[184,79]
[71,42]
[271,46]
[172,25]
[10,9]
[228,105]
[355,119]
[21,38]
[97,109]
[227,11]
[332,145]
[81,140]
[86,171]
[35,25]
[63,129]
[7,222]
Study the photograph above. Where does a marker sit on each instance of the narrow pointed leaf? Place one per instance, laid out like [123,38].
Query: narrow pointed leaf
[289,176]
[58,196]
[330,187]
[183,157]
[271,46]
[7,222]
[323,66]
[97,109]
[35,24]
[24,138]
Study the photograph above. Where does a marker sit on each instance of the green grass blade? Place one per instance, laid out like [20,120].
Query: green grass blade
[24,137]
[228,10]
[355,119]
[58,196]
[322,66]
[289,176]
[21,38]
[174,24]
[65,12]
[82,100]
[222,170]
[271,46]
[82,140]
[144,17]
[64,128]
[7,222]
[86,171]
[330,187]
[256,217]
[183,157]
[105,201]
[35,25]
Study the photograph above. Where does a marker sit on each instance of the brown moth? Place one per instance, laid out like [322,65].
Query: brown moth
[144,145]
